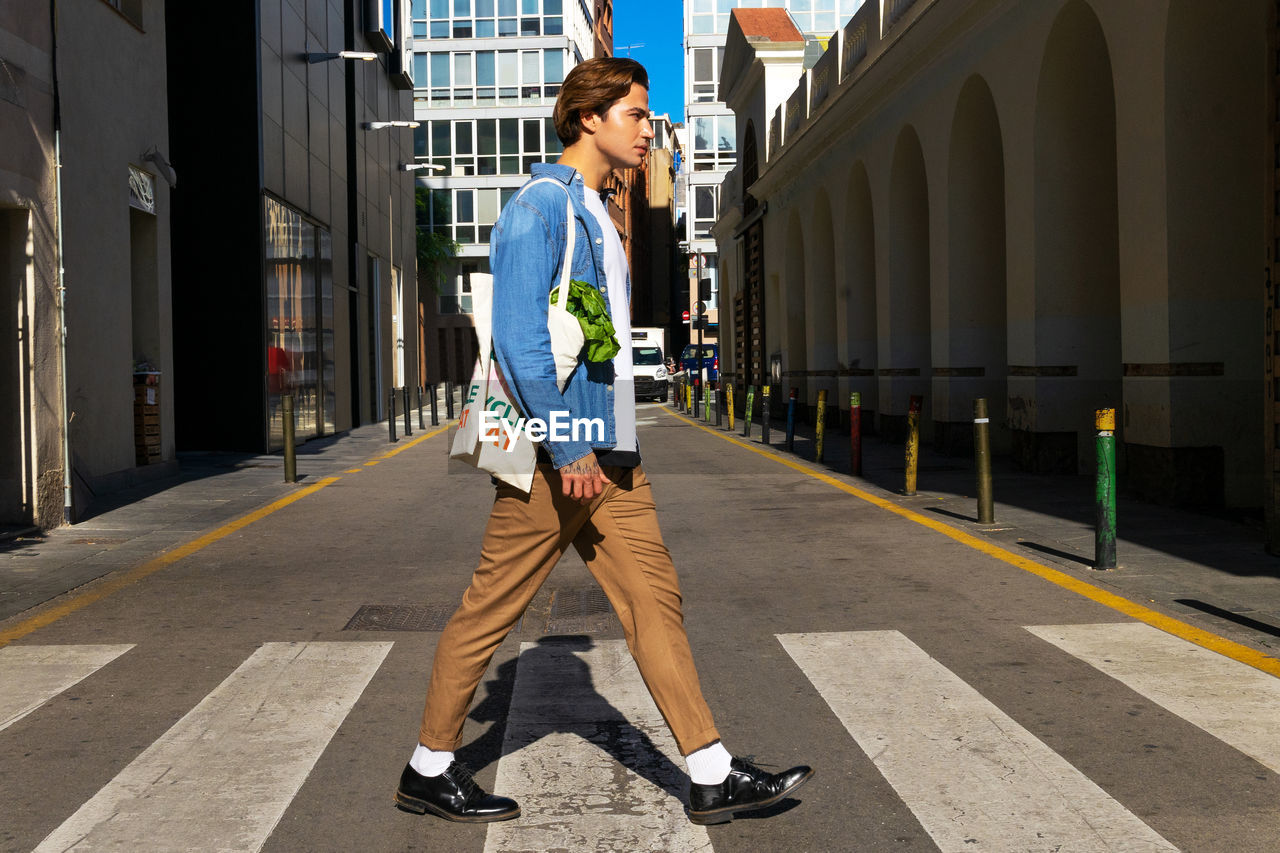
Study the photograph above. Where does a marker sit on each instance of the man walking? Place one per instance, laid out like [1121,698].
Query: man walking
[588,491]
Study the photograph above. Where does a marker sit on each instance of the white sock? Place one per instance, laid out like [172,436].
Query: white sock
[430,762]
[709,765]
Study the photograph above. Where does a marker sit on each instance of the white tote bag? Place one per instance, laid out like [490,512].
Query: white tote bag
[490,433]
[567,337]
[496,442]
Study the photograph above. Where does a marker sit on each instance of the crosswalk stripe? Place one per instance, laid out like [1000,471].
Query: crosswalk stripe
[974,778]
[32,675]
[221,778]
[588,757]
[1231,701]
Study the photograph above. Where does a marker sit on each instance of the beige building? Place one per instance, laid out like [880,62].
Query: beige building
[1058,206]
[82,85]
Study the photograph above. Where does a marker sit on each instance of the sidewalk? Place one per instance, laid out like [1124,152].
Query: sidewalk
[1213,572]
[129,527]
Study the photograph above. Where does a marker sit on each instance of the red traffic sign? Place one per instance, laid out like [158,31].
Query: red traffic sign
[686,315]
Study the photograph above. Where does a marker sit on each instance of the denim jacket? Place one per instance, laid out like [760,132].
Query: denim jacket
[526,250]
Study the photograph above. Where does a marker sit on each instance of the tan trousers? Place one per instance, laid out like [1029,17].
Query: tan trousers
[618,538]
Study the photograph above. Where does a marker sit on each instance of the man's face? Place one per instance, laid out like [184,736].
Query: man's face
[622,134]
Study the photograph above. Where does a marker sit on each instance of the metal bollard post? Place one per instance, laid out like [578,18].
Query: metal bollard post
[791,420]
[695,410]
[1105,535]
[435,412]
[728,409]
[913,443]
[767,392]
[746,412]
[822,422]
[720,403]
[855,434]
[391,416]
[422,424]
[290,452]
[408,430]
[982,458]
[448,399]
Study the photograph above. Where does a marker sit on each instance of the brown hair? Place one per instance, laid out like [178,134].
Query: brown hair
[592,87]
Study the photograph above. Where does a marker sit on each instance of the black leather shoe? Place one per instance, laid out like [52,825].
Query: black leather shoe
[453,795]
[746,788]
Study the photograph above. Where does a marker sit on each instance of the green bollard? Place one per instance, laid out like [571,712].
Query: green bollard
[1105,500]
[746,413]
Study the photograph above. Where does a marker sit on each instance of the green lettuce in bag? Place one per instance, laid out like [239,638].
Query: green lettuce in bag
[586,303]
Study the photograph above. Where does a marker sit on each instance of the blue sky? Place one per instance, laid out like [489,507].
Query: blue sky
[658,25]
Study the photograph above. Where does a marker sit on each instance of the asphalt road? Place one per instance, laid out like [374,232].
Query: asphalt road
[947,698]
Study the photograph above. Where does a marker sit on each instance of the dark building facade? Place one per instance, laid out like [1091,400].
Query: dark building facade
[294,234]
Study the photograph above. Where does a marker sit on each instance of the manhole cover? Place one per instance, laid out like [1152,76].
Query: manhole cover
[578,610]
[399,617]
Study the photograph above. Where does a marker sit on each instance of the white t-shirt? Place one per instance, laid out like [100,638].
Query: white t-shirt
[618,282]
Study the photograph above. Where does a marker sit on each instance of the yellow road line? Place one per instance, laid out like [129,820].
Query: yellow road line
[415,442]
[1177,627]
[118,582]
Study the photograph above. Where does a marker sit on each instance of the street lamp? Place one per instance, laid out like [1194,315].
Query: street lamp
[313,58]
[410,167]
[379,125]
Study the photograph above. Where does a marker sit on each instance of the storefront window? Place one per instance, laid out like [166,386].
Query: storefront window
[300,356]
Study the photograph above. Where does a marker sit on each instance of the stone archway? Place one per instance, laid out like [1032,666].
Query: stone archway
[820,302]
[860,342]
[976,353]
[1077,279]
[795,361]
[905,354]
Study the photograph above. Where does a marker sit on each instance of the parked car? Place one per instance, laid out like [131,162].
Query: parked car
[710,360]
[649,372]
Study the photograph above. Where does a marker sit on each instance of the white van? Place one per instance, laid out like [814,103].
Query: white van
[648,360]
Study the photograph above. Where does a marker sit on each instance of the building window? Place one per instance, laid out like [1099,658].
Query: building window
[706,74]
[816,17]
[130,9]
[714,144]
[460,19]
[706,209]
[300,355]
[455,292]
[489,78]
[487,146]
[466,215]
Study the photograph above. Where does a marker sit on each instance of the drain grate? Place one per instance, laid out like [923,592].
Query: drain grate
[399,617]
[578,610]
[564,610]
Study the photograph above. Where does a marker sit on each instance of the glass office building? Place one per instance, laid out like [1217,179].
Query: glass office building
[486,77]
[711,145]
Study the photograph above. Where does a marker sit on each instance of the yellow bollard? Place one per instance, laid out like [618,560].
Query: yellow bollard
[913,443]
[729,395]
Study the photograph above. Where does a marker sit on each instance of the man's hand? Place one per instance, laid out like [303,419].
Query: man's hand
[583,480]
